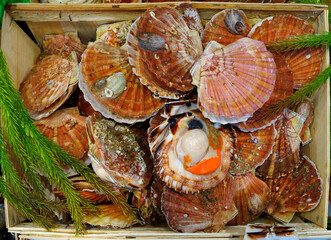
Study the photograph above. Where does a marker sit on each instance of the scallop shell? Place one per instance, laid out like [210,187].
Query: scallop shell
[68,130]
[162,49]
[63,44]
[226,27]
[185,140]
[299,191]
[209,210]
[234,81]
[110,86]
[305,63]
[49,83]
[286,151]
[252,149]
[111,216]
[191,16]
[84,106]
[157,188]
[118,153]
[283,88]
[114,34]
[251,196]
[86,190]
[306,109]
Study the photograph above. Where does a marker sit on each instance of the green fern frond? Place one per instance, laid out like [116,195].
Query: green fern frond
[297,42]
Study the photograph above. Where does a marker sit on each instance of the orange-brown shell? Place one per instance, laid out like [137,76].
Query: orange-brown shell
[283,88]
[299,191]
[114,34]
[162,49]
[118,152]
[234,81]
[84,106]
[286,151]
[251,197]
[252,149]
[165,144]
[63,44]
[101,62]
[209,210]
[226,27]
[191,16]
[306,109]
[305,63]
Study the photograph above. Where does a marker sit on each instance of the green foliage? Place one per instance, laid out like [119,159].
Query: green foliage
[3,4]
[35,151]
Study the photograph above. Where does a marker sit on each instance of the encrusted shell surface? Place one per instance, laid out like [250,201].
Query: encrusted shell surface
[252,149]
[306,109]
[111,215]
[283,88]
[209,210]
[286,151]
[226,27]
[186,140]
[118,153]
[49,83]
[305,63]
[299,191]
[63,44]
[162,49]
[111,87]
[68,130]
[114,34]
[251,197]
[234,81]
[191,16]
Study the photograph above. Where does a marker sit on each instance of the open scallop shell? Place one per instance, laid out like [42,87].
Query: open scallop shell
[306,109]
[63,44]
[283,88]
[226,27]
[111,215]
[209,210]
[234,81]
[252,149]
[118,153]
[185,140]
[191,16]
[286,151]
[49,83]
[251,196]
[305,63]
[111,87]
[162,49]
[299,191]
[68,130]
[114,34]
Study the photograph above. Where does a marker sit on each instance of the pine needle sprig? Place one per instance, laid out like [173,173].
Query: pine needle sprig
[297,97]
[297,42]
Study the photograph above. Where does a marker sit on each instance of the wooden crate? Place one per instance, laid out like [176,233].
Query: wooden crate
[42,19]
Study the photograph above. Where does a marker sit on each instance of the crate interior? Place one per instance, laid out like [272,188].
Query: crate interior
[21,53]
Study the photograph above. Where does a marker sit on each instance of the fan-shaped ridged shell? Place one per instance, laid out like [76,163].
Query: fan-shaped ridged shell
[209,210]
[283,88]
[63,44]
[226,27]
[191,16]
[305,63]
[252,148]
[67,129]
[299,191]
[46,83]
[86,190]
[118,152]
[162,49]
[306,109]
[176,151]
[251,197]
[84,106]
[114,34]
[111,216]
[286,151]
[234,81]
[110,86]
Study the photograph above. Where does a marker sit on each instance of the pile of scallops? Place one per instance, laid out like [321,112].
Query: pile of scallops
[172,113]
